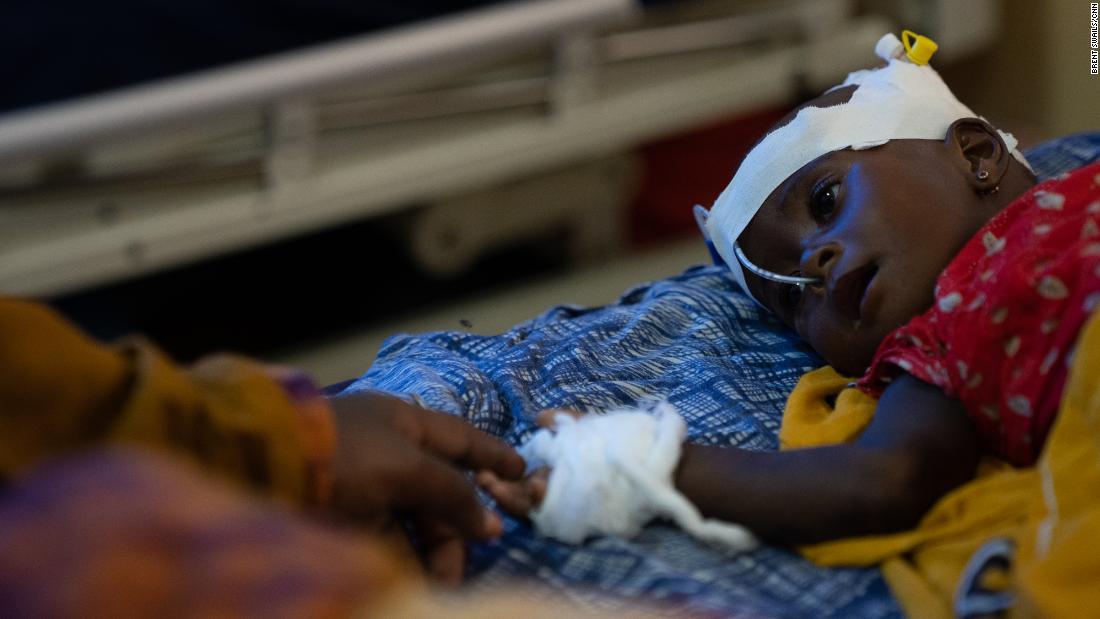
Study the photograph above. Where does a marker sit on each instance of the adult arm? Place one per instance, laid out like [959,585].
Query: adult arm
[367,456]
[261,427]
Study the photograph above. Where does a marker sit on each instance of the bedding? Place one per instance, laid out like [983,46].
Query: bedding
[694,340]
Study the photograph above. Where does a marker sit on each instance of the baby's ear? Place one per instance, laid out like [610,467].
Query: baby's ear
[980,151]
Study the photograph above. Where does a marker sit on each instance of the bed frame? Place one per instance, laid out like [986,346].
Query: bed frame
[120,184]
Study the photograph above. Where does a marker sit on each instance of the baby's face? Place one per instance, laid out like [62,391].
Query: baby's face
[878,226]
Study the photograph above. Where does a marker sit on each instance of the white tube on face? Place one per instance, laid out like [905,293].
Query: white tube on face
[771,275]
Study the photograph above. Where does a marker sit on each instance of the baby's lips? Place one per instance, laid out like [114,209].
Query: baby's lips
[847,292]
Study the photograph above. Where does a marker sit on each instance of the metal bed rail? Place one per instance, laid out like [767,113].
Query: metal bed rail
[432,48]
[123,196]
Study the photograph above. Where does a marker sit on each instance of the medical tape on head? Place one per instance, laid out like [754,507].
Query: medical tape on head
[899,101]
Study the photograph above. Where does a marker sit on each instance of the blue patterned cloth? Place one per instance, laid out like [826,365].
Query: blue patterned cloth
[693,339]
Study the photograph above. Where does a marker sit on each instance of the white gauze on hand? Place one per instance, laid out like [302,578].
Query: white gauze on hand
[612,473]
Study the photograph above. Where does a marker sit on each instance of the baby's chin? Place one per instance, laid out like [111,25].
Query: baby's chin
[856,355]
[851,365]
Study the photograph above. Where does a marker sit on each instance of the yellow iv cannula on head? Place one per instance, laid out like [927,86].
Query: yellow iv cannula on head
[918,48]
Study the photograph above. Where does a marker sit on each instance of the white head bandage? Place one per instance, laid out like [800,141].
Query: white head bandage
[902,100]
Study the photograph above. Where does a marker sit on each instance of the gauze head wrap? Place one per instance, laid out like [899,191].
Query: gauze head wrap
[902,100]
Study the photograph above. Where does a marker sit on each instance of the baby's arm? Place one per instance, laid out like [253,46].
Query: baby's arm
[919,446]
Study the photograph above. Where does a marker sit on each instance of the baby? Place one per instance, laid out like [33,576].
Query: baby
[906,241]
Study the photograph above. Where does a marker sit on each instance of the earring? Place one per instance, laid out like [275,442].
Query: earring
[983,175]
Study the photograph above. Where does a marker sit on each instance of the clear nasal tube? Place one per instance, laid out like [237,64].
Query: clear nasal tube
[758,271]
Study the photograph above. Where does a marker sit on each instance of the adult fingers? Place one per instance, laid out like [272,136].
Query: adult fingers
[442,550]
[547,418]
[447,436]
[515,497]
[456,440]
[446,560]
[436,490]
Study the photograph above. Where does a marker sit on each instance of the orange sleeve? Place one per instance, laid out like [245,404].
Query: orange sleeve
[266,428]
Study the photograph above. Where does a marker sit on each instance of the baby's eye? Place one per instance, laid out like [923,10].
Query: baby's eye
[823,200]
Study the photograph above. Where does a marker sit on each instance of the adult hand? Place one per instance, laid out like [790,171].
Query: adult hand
[518,498]
[397,458]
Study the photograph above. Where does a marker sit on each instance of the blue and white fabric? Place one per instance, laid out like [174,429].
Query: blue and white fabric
[694,340]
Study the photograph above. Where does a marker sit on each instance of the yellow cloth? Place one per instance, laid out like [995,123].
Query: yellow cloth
[811,420]
[60,392]
[1057,570]
[1058,554]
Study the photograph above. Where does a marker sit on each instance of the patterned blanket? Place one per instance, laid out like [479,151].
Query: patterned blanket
[694,340]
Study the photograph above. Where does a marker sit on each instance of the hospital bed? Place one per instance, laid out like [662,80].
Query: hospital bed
[695,340]
[126,182]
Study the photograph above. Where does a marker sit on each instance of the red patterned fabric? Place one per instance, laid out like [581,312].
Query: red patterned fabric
[1008,309]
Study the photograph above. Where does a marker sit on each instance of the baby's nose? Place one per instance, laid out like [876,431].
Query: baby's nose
[818,261]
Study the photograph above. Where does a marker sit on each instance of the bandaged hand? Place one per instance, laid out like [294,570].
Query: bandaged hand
[609,474]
